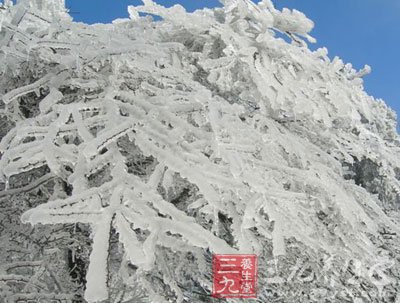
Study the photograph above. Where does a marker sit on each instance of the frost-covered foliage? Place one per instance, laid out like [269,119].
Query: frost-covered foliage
[200,133]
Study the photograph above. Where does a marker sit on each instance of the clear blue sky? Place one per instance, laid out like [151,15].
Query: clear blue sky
[359,31]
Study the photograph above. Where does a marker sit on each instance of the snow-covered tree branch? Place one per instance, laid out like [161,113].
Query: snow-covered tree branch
[200,133]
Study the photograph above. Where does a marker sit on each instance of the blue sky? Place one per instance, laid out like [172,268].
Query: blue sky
[359,31]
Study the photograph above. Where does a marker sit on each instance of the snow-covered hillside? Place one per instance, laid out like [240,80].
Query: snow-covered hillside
[139,148]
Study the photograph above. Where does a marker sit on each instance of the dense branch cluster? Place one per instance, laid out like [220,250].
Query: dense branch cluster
[200,133]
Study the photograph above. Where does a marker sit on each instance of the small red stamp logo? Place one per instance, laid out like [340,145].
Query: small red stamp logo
[234,276]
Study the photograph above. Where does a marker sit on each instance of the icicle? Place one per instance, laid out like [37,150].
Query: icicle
[131,243]
[97,275]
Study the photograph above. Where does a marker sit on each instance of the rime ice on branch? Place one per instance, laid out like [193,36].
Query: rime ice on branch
[209,99]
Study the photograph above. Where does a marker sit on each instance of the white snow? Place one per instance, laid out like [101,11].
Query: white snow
[261,127]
